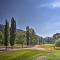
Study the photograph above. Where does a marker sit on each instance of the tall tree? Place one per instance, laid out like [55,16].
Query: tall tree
[6,33]
[31,35]
[1,40]
[27,35]
[12,32]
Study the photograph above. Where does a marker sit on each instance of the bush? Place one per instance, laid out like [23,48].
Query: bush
[57,43]
[57,48]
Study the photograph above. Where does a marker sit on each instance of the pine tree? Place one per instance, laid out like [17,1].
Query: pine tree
[6,33]
[12,32]
[31,35]
[27,35]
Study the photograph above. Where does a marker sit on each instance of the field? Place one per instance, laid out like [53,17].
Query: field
[28,55]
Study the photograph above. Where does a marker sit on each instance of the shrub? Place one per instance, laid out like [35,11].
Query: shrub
[57,43]
[57,48]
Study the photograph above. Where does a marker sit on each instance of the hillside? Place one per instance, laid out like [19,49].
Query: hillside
[2,28]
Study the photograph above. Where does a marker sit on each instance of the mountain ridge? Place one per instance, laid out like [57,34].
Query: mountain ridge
[2,28]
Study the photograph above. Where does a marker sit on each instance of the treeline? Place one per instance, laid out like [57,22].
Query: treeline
[9,33]
[27,38]
[10,37]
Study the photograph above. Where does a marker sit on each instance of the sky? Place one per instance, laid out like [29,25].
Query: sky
[41,15]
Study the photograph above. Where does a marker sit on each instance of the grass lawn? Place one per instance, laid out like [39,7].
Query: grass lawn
[28,55]
[47,45]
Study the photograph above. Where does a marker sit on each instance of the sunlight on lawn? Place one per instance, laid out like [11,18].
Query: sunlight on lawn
[28,55]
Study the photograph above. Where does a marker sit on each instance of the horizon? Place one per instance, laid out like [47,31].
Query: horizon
[42,16]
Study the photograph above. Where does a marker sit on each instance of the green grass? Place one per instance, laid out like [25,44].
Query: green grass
[28,55]
[47,45]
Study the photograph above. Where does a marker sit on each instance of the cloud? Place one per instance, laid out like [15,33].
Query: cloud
[55,5]
[50,5]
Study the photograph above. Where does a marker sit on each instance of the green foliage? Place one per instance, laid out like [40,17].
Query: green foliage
[12,32]
[57,43]
[34,39]
[56,36]
[20,38]
[41,40]
[1,38]
[27,35]
[57,48]
[6,33]
[32,36]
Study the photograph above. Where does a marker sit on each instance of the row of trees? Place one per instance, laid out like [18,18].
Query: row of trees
[31,37]
[9,33]
[27,37]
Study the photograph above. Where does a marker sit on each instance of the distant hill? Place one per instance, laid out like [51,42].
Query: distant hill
[19,30]
[49,39]
[2,28]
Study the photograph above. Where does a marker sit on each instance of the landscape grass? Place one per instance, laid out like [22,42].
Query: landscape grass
[28,55]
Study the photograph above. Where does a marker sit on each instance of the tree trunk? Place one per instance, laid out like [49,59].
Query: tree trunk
[11,47]
[6,48]
[22,45]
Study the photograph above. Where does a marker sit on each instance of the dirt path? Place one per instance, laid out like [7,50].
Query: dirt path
[15,49]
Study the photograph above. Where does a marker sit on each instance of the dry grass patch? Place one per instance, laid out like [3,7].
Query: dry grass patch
[41,58]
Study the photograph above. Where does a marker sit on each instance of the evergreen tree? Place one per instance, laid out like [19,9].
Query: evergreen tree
[27,35]
[6,33]
[12,32]
[1,40]
[31,35]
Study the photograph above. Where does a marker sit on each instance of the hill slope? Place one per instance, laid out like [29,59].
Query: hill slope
[2,28]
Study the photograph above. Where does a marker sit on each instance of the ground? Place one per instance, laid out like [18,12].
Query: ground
[30,54]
